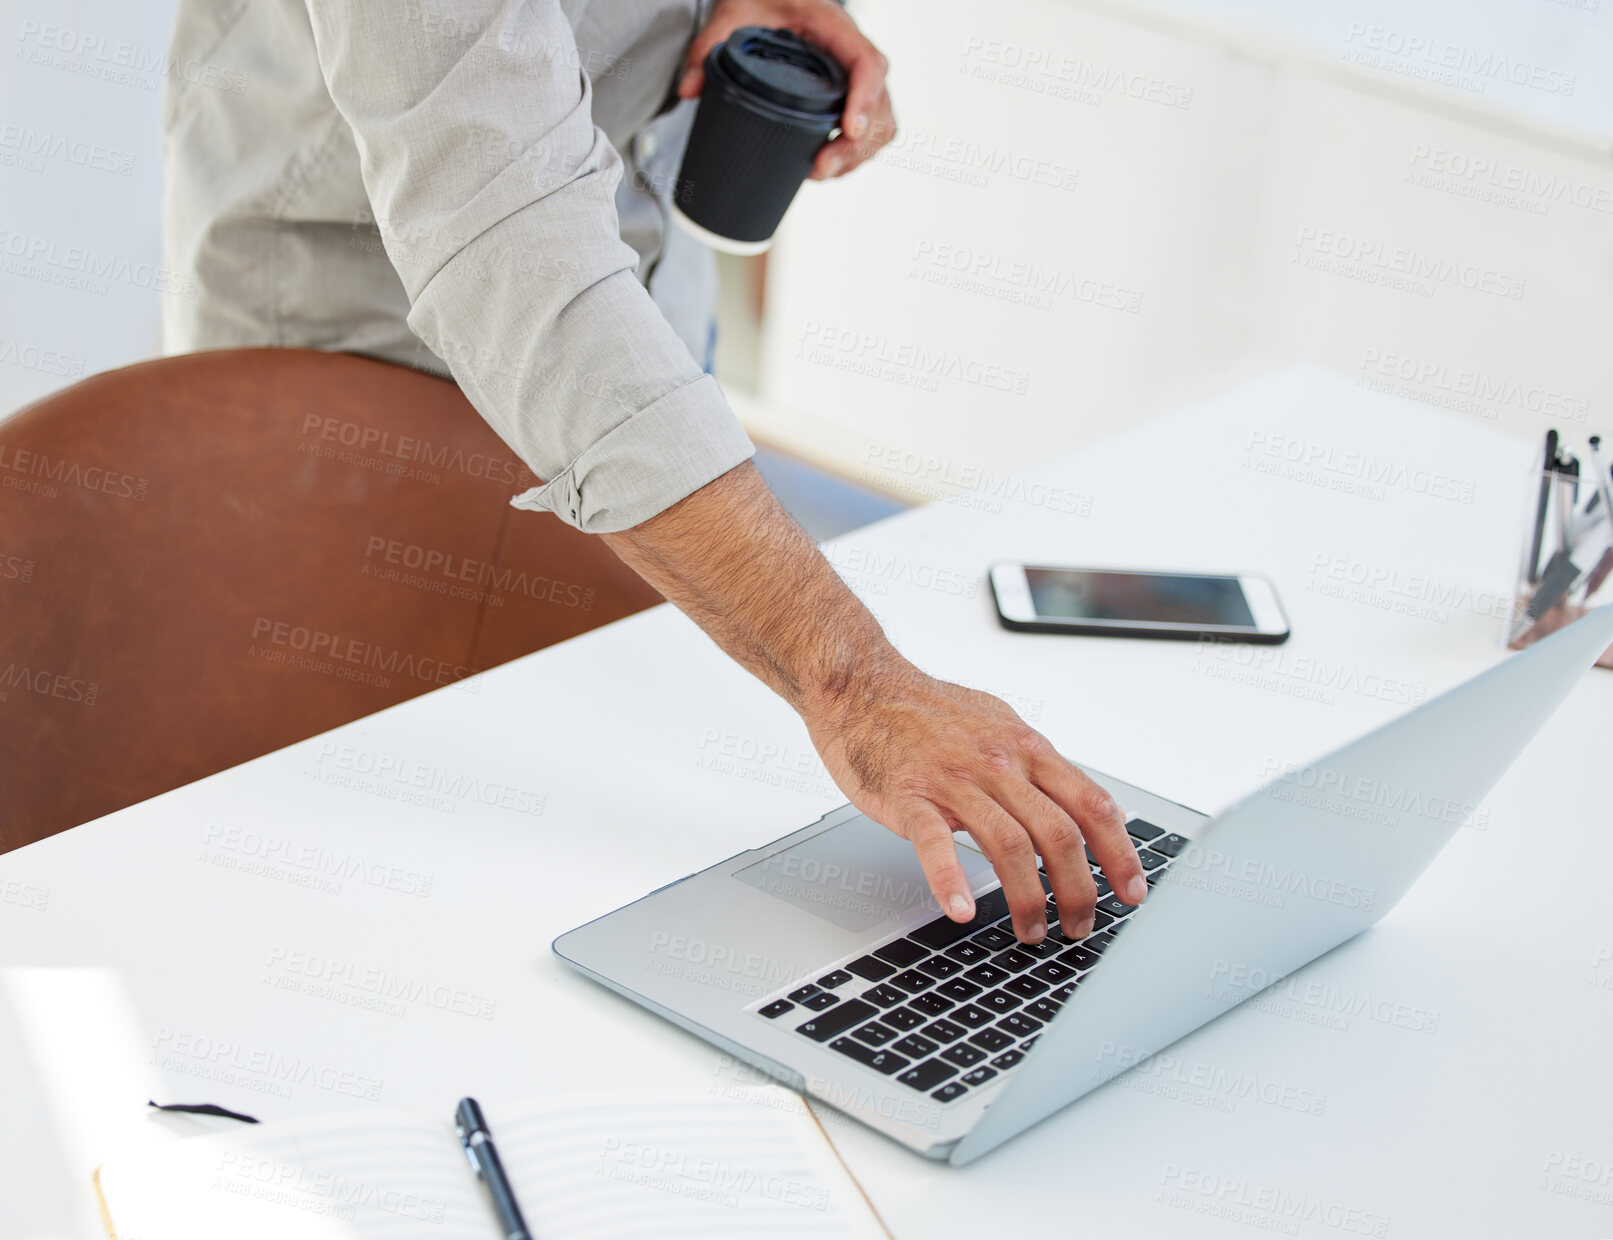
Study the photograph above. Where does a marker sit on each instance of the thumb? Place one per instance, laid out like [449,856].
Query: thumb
[694,73]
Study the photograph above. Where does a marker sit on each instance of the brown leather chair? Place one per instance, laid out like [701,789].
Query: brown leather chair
[208,557]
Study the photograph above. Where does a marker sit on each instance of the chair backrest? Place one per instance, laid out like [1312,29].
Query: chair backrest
[207,557]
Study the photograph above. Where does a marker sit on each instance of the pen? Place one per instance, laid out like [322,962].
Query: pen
[1599,471]
[1546,473]
[1567,484]
[477,1139]
[1603,567]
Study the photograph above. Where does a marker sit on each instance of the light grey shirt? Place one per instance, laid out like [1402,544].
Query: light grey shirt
[444,185]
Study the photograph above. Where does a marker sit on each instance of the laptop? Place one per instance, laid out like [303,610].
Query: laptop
[821,958]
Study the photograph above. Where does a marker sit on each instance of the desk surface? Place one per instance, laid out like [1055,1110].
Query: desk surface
[1432,1077]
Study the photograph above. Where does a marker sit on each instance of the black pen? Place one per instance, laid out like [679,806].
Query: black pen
[477,1139]
[1546,474]
[1567,493]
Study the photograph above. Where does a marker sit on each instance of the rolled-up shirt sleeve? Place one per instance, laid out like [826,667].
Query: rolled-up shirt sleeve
[494,194]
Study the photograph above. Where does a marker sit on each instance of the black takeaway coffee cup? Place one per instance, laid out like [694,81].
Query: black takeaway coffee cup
[770,101]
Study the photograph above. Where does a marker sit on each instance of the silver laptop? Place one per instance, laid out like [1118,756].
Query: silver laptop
[821,959]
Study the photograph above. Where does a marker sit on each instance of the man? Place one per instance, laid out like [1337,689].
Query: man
[479,188]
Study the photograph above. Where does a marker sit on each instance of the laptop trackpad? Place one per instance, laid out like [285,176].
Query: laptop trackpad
[855,875]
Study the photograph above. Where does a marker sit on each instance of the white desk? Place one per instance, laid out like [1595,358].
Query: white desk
[1454,1053]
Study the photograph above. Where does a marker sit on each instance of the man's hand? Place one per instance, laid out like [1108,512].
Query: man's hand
[867,123]
[927,758]
[920,756]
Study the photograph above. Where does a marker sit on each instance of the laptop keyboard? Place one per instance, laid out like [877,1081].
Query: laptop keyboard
[950,1006]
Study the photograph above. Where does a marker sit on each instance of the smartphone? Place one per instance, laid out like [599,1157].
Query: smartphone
[1127,603]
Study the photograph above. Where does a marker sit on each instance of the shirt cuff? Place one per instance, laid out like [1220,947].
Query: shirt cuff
[663,453]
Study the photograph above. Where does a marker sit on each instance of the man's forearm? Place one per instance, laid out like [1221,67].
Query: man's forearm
[731,559]
[921,756]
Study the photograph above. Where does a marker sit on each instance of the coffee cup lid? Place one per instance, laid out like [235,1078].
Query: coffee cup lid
[784,69]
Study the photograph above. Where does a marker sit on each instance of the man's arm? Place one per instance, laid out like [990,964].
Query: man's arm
[494,193]
[918,755]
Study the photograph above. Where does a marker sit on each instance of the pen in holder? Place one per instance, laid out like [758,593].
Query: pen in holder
[1567,555]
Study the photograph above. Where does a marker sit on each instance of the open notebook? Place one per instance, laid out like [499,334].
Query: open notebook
[595,1167]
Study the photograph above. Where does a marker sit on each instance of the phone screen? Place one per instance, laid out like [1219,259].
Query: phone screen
[1142,598]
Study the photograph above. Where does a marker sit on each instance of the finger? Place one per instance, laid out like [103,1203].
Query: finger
[835,32]
[1013,856]
[1102,822]
[1060,843]
[694,73]
[845,152]
[931,838]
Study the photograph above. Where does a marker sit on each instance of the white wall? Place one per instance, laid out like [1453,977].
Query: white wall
[1166,272]
[80,189]
[1259,207]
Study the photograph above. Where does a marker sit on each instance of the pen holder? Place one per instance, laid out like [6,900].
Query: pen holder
[1566,558]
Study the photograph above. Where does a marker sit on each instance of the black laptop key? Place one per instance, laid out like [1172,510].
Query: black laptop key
[1171,845]
[950,1092]
[1102,920]
[1151,860]
[995,939]
[802,995]
[1114,906]
[1156,876]
[1012,960]
[874,1033]
[958,988]
[823,999]
[1144,831]
[964,1055]
[971,1016]
[830,980]
[1099,942]
[931,1004]
[978,1077]
[885,995]
[777,1008]
[838,1019]
[927,1075]
[991,1039]
[1044,1009]
[987,975]
[993,906]
[1079,957]
[968,952]
[943,931]
[904,1018]
[1052,972]
[1029,1042]
[1046,949]
[941,966]
[880,1061]
[944,1030]
[1016,1023]
[998,1001]
[914,1047]
[1025,986]
[1103,886]
[1007,1060]
[913,980]
[901,953]
[1061,993]
[870,969]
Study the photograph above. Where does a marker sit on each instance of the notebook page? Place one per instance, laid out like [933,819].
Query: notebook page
[669,1165]
[334,1177]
